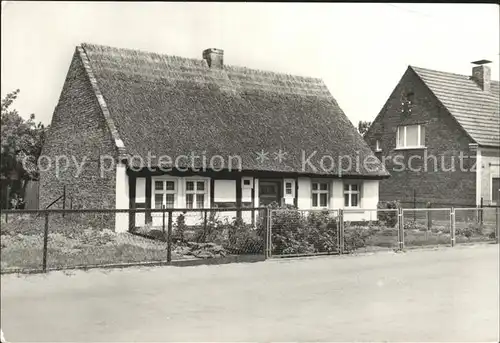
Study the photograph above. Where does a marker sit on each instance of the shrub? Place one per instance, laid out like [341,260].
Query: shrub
[389,218]
[246,241]
[289,233]
[472,229]
[323,233]
[414,226]
[179,229]
[355,237]
[295,233]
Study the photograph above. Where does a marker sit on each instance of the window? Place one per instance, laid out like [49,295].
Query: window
[495,190]
[319,194]
[410,136]
[289,188]
[195,194]
[165,192]
[351,194]
[247,182]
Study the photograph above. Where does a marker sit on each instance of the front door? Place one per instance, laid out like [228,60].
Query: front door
[269,192]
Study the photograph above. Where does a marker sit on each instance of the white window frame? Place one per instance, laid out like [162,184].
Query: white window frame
[180,191]
[351,192]
[196,191]
[419,137]
[175,191]
[377,146]
[292,182]
[317,193]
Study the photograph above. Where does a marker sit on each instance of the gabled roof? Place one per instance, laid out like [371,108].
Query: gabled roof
[169,105]
[477,111]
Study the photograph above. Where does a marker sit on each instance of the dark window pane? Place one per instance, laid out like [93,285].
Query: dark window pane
[354,200]
[323,200]
[158,200]
[158,185]
[354,187]
[289,190]
[190,186]
[170,200]
[189,200]
[495,189]
[315,200]
[170,185]
[246,182]
[346,186]
[200,200]
[315,186]
[346,200]
[200,185]
[323,186]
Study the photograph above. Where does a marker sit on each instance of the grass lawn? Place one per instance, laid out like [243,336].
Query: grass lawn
[448,294]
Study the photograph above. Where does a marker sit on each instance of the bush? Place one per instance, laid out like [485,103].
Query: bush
[472,229]
[414,226]
[355,238]
[389,218]
[295,233]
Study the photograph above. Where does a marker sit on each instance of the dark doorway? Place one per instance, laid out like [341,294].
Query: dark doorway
[269,192]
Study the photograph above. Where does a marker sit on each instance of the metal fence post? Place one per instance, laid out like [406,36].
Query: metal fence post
[45,241]
[268,243]
[64,200]
[497,220]
[341,221]
[163,222]
[169,235]
[452,226]
[401,229]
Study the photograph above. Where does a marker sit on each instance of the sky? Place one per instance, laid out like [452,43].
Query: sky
[359,50]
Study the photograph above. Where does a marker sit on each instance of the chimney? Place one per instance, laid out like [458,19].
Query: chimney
[481,73]
[214,57]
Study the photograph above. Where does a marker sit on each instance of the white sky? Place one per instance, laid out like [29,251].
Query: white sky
[359,50]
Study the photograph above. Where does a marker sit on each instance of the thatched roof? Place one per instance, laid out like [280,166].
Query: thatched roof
[169,105]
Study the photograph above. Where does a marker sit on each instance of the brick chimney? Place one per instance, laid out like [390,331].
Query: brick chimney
[214,57]
[481,73]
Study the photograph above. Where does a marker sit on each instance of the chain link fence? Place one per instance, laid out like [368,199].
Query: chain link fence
[35,241]
[41,240]
[476,224]
[427,227]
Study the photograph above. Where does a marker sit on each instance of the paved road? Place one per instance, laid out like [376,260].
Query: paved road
[443,295]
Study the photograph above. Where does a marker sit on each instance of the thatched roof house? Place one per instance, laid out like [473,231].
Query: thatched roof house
[259,136]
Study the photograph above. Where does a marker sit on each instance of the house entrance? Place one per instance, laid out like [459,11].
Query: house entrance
[269,192]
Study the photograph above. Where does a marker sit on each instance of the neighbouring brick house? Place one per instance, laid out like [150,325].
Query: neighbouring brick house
[128,104]
[435,113]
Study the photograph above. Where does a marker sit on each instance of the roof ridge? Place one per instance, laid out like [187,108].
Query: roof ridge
[228,67]
[445,72]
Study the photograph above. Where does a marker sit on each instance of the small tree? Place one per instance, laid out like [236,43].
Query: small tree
[21,145]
